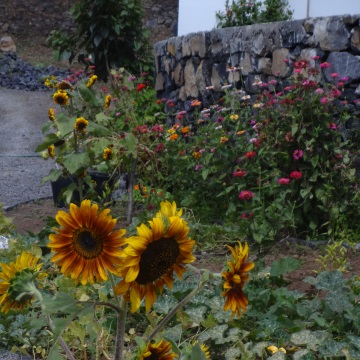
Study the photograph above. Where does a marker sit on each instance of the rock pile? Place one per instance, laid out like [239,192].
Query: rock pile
[16,74]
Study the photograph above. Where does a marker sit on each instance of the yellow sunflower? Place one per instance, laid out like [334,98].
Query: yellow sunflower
[13,277]
[81,124]
[158,351]
[107,153]
[91,81]
[151,259]
[86,245]
[235,278]
[51,114]
[61,97]
[51,151]
[168,209]
[107,101]
[64,85]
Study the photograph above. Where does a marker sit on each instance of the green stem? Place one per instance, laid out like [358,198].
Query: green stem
[131,190]
[120,331]
[174,310]
[36,293]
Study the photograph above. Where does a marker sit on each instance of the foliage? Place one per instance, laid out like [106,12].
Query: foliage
[108,34]
[5,222]
[276,163]
[244,12]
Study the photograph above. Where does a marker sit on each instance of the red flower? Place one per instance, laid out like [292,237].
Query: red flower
[296,175]
[247,215]
[160,148]
[239,173]
[246,195]
[250,154]
[140,87]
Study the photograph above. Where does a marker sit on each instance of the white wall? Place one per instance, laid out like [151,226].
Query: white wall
[199,15]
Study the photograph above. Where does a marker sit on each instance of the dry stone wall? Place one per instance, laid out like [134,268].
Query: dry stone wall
[186,65]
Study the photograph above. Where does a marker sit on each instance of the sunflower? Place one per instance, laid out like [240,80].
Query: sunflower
[64,85]
[235,279]
[158,351]
[107,153]
[204,348]
[152,257]
[51,151]
[14,277]
[168,209]
[86,245]
[51,114]
[81,124]
[91,81]
[61,97]
[107,101]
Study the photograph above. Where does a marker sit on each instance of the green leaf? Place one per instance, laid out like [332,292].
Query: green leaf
[97,40]
[294,129]
[338,301]
[61,302]
[305,192]
[49,139]
[284,265]
[197,353]
[75,162]
[65,124]
[98,130]
[205,173]
[88,94]
[53,175]
[314,161]
[327,280]
[309,338]
[355,340]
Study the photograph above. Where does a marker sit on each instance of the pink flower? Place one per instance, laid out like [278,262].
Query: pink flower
[239,173]
[298,154]
[344,79]
[160,148]
[335,92]
[324,100]
[319,91]
[246,195]
[325,65]
[198,167]
[295,175]
[332,126]
[334,75]
[283,181]
[317,57]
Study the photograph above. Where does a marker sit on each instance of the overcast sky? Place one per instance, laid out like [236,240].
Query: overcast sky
[199,15]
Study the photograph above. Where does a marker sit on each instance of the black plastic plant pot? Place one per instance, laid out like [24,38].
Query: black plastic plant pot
[59,186]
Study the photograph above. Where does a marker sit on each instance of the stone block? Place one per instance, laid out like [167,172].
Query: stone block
[245,64]
[331,34]
[7,44]
[159,82]
[191,89]
[251,81]
[344,64]
[215,78]
[355,39]
[279,66]
[292,33]
[179,75]
[264,66]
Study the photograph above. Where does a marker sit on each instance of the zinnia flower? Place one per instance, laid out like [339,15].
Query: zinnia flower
[296,175]
[12,278]
[158,351]
[234,117]
[81,124]
[250,154]
[91,81]
[140,87]
[196,154]
[151,258]
[298,154]
[107,153]
[224,139]
[235,278]
[86,245]
[61,98]
[283,181]
[173,137]
[239,173]
[246,195]
[107,101]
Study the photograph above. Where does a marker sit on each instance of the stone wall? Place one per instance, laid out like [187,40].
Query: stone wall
[39,17]
[186,65]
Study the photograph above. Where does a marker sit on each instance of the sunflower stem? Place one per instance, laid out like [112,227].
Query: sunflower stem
[120,331]
[175,309]
[131,191]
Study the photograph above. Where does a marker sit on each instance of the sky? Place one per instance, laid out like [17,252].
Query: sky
[199,15]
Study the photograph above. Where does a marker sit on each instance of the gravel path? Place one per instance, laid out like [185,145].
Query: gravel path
[22,114]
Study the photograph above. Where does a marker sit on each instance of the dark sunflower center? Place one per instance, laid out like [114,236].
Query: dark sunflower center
[157,260]
[87,244]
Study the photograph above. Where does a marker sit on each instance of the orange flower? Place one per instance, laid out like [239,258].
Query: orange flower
[185,130]
[173,137]
[196,154]
[136,187]
[224,139]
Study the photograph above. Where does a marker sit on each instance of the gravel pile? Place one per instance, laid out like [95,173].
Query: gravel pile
[16,74]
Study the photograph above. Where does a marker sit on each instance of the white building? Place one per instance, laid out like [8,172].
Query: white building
[199,15]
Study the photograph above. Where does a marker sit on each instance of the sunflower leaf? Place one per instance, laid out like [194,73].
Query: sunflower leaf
[284,265]
[75,162]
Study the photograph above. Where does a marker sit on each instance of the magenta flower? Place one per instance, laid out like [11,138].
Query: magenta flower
[298,154]
[246,195]
[283,181]
[239,173]
[198,167]
[325,65]
[334,75]
[332,126]
[295,175]
[344,78]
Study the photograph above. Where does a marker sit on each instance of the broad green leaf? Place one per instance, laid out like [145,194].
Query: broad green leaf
[338,301]
[88,94]
[49,139]
[332,348]
[283,266]
[314,160]
[53,175]
[355,340]
[197,353]
[294,129]
[205,173]
[304,354]
[75,162]
[309,338]
[305,192]
[66,124]
[98,130]
[97,40]
[327,280]
[61,302]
